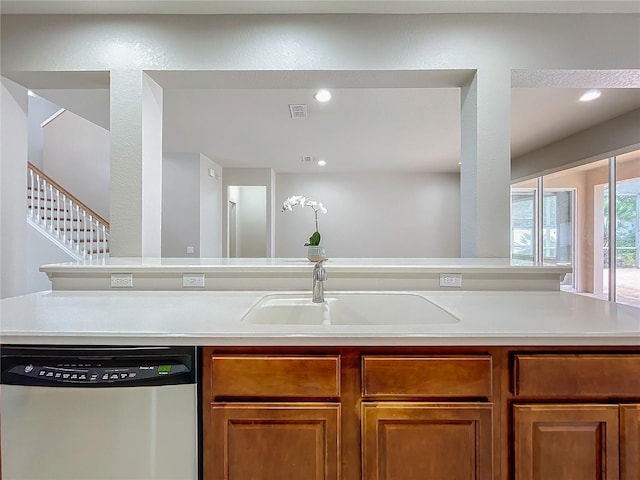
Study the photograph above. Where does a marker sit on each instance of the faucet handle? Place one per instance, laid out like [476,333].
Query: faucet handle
[319,272]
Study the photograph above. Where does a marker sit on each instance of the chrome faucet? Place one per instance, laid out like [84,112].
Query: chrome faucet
[319,277]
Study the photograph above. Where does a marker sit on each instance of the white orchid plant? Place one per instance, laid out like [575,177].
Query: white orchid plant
[291,202]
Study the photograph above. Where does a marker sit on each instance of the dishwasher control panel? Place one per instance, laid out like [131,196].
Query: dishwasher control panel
[96,373]
[97,366]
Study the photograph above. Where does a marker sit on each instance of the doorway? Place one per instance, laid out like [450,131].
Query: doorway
[246,221]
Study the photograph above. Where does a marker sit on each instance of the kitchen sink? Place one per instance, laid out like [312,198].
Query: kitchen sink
[348,308]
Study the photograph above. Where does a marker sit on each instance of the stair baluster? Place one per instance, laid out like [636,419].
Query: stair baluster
[64,218]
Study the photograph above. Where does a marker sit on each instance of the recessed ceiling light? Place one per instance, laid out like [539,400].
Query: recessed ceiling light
[590,95]
[322,95]
[322,163]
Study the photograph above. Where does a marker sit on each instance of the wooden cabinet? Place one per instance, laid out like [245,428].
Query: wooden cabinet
[593,433]
[263,441]
[271,416]
[566,442]
[417,441]
[436,413]
[447,438]
[630,442]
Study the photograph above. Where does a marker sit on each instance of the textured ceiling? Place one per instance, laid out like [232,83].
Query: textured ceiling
[315,6]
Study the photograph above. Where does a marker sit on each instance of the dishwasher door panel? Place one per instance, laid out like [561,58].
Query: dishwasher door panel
[144,433]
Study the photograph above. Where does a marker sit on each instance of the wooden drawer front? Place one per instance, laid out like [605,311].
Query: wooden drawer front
[444,376]
[586,375]
[275,376]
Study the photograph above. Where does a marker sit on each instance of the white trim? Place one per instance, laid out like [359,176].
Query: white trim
[68,250]
[53,117]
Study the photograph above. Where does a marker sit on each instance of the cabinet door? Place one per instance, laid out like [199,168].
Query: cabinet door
[566,442]
[418,441]
[630,442]
[283,441]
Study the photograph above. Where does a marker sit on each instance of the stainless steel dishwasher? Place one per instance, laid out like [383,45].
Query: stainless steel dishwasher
[99,413]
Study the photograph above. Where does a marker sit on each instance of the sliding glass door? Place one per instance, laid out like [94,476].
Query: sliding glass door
[571,226]
[555,221]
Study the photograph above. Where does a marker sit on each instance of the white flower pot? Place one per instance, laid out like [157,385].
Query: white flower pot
[316,253]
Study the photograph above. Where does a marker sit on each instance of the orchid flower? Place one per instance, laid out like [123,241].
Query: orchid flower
[291,202]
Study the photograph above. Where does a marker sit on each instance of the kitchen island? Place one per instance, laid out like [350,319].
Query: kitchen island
[525,380]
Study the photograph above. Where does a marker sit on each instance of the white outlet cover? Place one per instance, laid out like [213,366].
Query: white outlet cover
[452,280]
[121,280]
[193,280]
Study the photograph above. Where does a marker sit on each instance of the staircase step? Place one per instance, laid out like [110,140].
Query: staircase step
[49,209]
[42,199]
[55,219]
[90,240]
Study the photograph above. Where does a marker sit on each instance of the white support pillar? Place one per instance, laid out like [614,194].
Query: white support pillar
[485,170]
[126,164]
[136,164]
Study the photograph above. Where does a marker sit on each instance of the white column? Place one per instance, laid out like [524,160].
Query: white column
[485,169]
[136,164]
[13,193]
[126,164]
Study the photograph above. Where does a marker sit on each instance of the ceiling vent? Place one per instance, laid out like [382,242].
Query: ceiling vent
[307,158]
[298,111]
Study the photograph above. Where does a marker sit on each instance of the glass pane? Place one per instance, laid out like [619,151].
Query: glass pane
[575,225]
[558,213]
[628,229]
[523,203]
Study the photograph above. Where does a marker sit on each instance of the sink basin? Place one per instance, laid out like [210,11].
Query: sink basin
[348,308]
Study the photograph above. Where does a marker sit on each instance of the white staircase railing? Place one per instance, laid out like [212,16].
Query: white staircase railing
[65,218]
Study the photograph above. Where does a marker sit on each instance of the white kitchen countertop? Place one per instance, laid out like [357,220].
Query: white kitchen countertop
[148,274]
[214,318]
[399,265]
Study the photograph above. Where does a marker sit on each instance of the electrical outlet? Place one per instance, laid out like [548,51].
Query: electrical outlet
[451,280]
[190,280]
[190,249]
[121,280]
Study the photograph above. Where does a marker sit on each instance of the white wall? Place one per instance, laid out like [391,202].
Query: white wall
[151,167]
[492,45]
[89,103]
[210,208]
[191,206]
[13,182]
[42,251]
[180,204]
[372,214]
[613,137]
[40,109]
[77,156]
